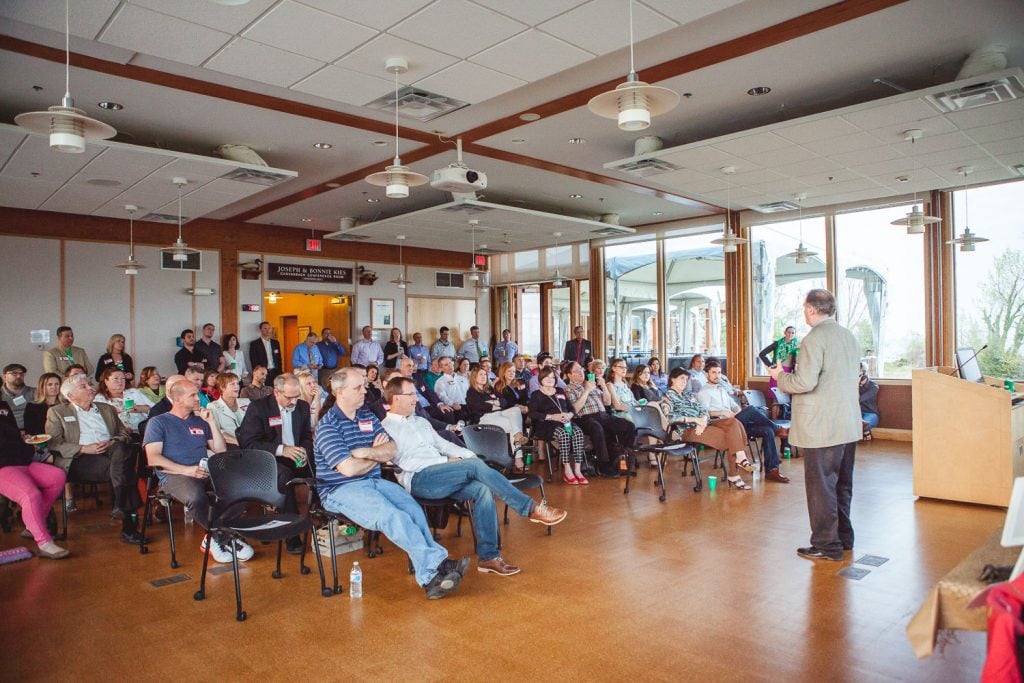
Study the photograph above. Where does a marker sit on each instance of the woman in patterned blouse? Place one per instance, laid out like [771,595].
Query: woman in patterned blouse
[723,434]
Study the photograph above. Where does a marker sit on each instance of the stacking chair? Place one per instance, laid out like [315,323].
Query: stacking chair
[250,476]
[786,404]
[491,443]
[322,517]
[156,495]
[647,420]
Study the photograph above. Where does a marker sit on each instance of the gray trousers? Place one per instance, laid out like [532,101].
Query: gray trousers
[828,480]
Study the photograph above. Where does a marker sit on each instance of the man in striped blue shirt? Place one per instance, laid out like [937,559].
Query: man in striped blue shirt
[349,446]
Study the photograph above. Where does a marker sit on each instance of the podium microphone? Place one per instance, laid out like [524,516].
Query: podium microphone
[959,365]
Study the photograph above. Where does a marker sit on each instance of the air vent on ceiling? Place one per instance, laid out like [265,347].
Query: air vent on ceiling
[251,175]
[645,167]
[468,208]
[192,262]
[610,231]
[164,218]
[352,236]
[487,251]
[418,103]
[449,280]
[978,94]
[775,207]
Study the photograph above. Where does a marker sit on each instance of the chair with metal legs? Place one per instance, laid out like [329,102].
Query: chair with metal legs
[647,420]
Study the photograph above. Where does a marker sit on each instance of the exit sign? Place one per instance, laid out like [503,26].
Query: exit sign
[314,244]
[481,260]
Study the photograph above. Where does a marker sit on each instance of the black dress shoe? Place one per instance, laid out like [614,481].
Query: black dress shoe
[442,585]
[813,553]
[293,545]
[449,565]
[131,537]
[609,470]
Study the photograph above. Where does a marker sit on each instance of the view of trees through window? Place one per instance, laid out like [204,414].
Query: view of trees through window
[990,280]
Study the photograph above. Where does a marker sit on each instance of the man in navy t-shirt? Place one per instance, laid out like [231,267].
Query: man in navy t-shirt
[176,442]
[349,446]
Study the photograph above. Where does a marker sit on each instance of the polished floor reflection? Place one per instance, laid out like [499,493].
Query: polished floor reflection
[703,587]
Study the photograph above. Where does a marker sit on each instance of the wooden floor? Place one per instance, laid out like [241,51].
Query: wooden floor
[703,587]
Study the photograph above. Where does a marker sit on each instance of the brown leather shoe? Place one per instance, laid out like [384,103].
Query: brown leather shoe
[546,515]
[775,475]
[497,566]
[782,432]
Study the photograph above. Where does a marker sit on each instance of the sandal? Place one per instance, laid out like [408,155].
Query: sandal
[746,465]
[519,467]
[738,483]
[69,505]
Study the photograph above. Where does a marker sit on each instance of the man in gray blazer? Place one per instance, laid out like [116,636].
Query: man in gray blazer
[825,424]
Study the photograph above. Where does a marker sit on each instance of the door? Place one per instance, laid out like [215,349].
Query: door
[289,339]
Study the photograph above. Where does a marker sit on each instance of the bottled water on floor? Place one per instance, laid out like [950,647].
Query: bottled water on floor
[355,581]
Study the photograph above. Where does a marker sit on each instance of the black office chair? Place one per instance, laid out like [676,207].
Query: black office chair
[490,442]
[250,476]
[156,495]
[324,518]
[647,420]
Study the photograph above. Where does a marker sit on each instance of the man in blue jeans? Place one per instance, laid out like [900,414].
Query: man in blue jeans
[348,448]
[435,468]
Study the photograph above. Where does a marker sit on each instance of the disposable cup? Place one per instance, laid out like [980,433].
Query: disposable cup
[712,483]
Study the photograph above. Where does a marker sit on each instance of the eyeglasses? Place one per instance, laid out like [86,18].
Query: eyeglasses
[291,398]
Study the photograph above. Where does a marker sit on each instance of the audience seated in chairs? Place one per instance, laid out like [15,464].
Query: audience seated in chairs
[209,387]
[350,446]
[115,357]
[544,360]
[131,405]
[14,392]
[176,442]
[487,406]
[164,404]
[433,468]
[47,396]
[868,402]
[444,429]
[92,445]
[589,398]
[257,388]
[149,384]
[725,434]
[32,485]
[643,386]
[552,415]
[717,398]
[226,409]
[451,387]
[512,389]
[281,424]
[312,393]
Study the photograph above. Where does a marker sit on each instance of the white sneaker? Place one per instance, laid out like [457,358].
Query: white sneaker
[221,552]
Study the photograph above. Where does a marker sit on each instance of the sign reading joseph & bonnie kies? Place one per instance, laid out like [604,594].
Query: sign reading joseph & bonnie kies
[303,273]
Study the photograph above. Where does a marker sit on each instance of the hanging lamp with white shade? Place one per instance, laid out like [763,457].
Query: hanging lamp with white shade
[474,273]
[400,281]
[802,253]
[916,219]
[729,240]
[130,266]
[179,251]
[396,179]
[634,102]
[557,282]
[67,126]
[967,239]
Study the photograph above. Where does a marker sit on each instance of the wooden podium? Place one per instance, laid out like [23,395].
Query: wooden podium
[968,438]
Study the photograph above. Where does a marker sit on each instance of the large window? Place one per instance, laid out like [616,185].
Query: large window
[529,319]
[695,296]
[779,282]
[880,289]
[559,324]
[990,280]
[631,299]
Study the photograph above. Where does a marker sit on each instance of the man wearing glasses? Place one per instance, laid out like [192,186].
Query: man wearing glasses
[280,424]
[435,468]
[15,393]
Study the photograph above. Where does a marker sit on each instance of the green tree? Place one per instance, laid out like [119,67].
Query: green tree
[1002,314]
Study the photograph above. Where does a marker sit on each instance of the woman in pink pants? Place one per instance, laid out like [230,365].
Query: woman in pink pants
[32,485]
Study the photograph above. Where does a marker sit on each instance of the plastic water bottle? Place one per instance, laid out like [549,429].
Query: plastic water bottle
[355,581]
[189,517]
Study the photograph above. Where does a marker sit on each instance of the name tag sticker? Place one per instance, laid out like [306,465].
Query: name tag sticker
[196,431]
[365,426]
[4,412]
[275,421]
[19,400]
[70,418]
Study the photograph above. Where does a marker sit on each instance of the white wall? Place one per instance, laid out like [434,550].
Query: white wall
[30,299]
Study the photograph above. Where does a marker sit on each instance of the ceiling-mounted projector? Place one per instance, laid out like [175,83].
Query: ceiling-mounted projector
[458,179]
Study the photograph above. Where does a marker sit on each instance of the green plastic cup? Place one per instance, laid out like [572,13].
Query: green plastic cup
[712,483]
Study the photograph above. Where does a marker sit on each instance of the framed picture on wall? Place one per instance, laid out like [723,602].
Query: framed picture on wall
[382,313]
[304,331]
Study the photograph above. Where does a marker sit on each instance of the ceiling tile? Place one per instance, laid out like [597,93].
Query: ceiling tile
[85,18]
[602,26]
[25,193]
[998,131]
[704,158]
[470,82]
[686,11]
[531,12]
[680,178]
[531,56]
[262,63]
[890,168]
[746,145]
[457,27]
[937,125]
[819,165]
[151,33]
[80,198]
[342,85]
[379,15]
[951,157]
[308,31]
[822,129]
[855,185]
[865,156]
[1005,146]
[230,19]
[128,166]
[843,143]
[10,138]
[35,161]
[993,113]
[905,111]
[785,155]
[369,58]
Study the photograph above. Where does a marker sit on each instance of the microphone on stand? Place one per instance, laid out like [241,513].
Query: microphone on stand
[959,365]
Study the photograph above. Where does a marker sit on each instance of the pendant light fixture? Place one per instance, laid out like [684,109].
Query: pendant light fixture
[967,239]
[400,281]
[557,282]
[396,178]
[179,251]
[802,253]
[130,265]
[634,102]
[474,272]
[68,127]
[916,219]
[482,285]
[729,240]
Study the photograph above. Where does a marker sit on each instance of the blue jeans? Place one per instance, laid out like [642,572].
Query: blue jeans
[758,424]
[871,419]
[385,506]
[472,479]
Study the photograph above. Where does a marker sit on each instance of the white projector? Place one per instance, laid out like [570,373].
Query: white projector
[457,179]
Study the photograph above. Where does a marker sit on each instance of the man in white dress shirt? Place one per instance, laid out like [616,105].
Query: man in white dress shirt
[450,387]
[367,350]
[435,468]
[473,349]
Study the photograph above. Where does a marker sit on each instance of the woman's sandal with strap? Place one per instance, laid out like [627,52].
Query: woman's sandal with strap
[739,483]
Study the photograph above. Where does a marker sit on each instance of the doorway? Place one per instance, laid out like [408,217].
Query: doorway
[296,314]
